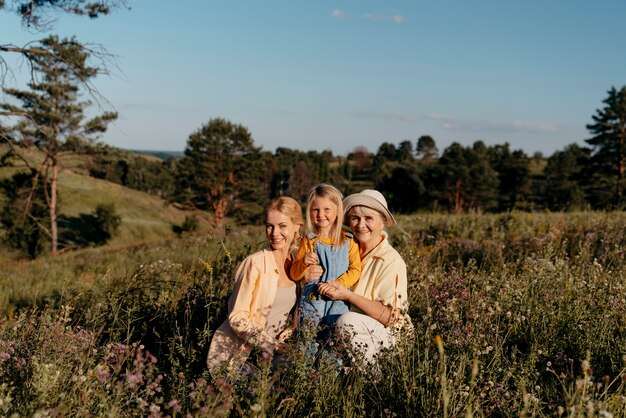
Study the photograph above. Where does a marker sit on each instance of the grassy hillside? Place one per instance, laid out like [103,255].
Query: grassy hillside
[144,217]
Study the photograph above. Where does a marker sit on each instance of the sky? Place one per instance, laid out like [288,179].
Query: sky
[339,74]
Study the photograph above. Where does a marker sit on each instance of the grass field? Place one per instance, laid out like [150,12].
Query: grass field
[515,314]
[144,217]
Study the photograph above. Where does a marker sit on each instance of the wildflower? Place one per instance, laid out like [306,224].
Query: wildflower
[174,405]
[585,366]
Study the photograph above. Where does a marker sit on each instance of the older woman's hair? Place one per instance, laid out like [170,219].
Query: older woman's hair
[289,207]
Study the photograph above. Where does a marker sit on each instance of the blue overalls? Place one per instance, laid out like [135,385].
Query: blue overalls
[335,261]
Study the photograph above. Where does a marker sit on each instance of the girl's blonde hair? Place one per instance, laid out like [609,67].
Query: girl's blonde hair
[289,207]
[331,192]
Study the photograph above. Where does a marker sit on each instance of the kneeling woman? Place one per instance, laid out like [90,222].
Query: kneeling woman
[263,297]
[379,301]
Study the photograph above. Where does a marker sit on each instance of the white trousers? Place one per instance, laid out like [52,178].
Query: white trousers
[367,336]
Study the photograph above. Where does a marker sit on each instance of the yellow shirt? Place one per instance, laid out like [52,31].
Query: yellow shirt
[383,278]
[256,280]
[347,279]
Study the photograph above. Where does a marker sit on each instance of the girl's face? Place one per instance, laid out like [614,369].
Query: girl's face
[323,213]
[366,224]
[280,230]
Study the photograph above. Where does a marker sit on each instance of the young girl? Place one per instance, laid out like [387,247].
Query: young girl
[263,295]
[327,245]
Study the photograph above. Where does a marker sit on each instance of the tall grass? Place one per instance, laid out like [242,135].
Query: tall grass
[515,315]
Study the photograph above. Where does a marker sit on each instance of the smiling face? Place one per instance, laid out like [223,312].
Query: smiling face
[323,212]
[366,224]
[280,230]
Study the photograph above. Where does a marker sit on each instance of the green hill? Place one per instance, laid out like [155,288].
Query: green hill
[144,217]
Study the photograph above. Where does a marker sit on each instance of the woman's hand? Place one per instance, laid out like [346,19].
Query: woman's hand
[313,272]
[334,291]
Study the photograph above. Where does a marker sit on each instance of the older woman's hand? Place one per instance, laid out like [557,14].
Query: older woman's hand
[313,272]
[334,291]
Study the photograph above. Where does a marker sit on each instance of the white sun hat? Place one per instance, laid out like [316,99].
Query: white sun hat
[372,199]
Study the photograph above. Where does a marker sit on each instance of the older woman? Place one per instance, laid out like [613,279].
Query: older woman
[379,301]
[263,297]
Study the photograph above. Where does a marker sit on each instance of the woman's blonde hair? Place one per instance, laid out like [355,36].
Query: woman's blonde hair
[331,192]
[289,207]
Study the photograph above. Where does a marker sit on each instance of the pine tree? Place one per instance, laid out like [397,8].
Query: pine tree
[51,116]
[609,136]
[220,159]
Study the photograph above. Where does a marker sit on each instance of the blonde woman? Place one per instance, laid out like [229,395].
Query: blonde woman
[264,296]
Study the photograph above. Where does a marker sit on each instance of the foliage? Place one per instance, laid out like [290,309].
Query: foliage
[22,214]
[51,117]
[565,178]
[137,172]
[466,178]
[190,224]
[220,158]
[515,314]
[609,141]
[34,13]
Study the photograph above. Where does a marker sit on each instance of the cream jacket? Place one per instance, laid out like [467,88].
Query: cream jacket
[384,279]
[256,280]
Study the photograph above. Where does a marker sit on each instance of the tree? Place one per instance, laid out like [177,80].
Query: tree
[405,152]
[609,136]
[219,158]
[40,15]
[466,179]
[564,178]
[51,117]
[513,175]
[404,189]
[426,149]
[34,13]
[361,157]
[24,213]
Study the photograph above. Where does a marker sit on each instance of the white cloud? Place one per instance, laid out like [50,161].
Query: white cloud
[388,116]
[452,123]
[397,19]
[338,14]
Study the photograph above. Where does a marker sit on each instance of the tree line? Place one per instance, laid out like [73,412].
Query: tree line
[224,172]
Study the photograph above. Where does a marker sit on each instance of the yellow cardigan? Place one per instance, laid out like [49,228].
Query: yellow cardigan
[347,279]
[256,280]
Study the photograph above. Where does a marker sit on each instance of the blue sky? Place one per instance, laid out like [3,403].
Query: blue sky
[334,75]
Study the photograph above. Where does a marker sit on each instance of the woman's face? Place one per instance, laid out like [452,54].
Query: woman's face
[366,224]
[280,230]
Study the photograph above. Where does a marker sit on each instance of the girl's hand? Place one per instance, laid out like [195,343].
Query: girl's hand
[310,259]
[334,291]
[313,272]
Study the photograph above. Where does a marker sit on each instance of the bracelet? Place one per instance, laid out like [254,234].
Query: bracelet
[381,314]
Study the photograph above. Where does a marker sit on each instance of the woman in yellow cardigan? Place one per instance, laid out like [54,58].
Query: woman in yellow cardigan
[263,296]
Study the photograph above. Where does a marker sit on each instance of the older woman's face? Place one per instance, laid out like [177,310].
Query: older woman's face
[366,224]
